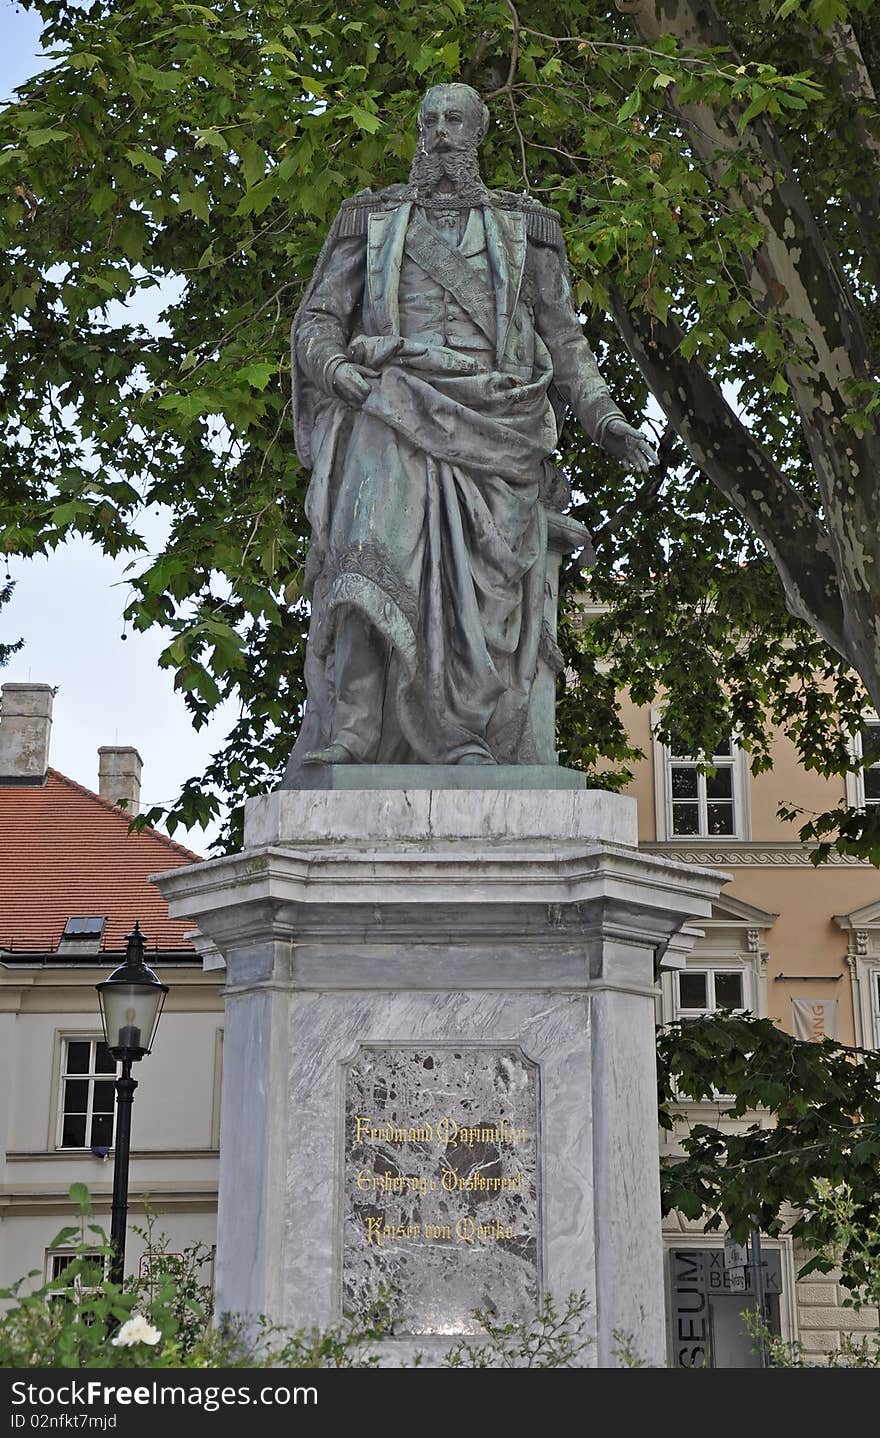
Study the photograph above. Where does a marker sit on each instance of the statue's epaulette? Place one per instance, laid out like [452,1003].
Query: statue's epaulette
[542,224]
[354,212]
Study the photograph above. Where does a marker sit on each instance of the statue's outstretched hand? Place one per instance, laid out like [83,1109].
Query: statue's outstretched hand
[630,446]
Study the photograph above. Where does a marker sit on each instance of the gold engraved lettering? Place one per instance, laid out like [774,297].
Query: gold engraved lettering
[499,1132]
[379,1232]
[492,1232]
[466,1231]
[365,1129]
[374,1231]
[481,1183]
[438,1231]
[387,1182]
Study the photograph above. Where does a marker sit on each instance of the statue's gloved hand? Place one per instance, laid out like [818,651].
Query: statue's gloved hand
[374,351]
[351,382]
[629,445]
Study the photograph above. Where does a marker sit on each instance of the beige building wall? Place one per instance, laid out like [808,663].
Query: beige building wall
[807,951]
[776,917]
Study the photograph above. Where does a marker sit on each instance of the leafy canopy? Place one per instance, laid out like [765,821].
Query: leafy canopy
[191,158]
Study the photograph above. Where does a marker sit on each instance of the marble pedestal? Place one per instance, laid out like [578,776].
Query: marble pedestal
[405,967]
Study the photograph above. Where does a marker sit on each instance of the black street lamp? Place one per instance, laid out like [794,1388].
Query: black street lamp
[131,1001]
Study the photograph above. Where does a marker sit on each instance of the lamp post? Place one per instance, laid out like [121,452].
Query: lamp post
[131,1001]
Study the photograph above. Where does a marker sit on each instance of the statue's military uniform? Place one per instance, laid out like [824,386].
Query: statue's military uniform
[428,503]
[367,280]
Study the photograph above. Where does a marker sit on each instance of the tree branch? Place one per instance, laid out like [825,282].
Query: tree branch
[514,55]
[847,64]
[469,71]
[737,464]
[796,274]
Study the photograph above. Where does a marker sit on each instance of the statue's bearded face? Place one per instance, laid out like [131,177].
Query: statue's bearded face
[450,119]
[452,123]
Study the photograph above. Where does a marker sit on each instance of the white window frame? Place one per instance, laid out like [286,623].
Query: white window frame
[710,968]
[79,1290]
[672,1012]
[663,760]
[90,1078]
[855,781]
[866,984]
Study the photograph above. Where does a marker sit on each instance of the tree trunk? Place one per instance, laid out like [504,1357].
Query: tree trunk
[830,567]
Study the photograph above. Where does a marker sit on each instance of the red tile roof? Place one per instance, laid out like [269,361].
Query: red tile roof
[63,852]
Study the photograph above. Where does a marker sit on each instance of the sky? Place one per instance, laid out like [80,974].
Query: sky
[68,609]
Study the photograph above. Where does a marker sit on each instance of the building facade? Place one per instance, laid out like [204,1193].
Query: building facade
[73,881]
[790,941]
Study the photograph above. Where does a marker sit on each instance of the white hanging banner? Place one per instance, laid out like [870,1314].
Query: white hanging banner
[815,1019]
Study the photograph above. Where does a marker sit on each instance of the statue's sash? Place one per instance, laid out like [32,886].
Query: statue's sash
[448,266]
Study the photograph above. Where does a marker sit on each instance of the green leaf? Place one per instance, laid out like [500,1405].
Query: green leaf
[37,138]
[629,106]
[67,513]
[449,56]
[192,404]
[364,119]
[196,202]
[144,161]
[79,1194]
[258,373]
[212,138]
[253,162]
[65,1236]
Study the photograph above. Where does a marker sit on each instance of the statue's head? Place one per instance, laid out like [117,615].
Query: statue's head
[452,125]
[452,117]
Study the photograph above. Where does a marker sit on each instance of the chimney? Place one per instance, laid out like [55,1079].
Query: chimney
[119,777]
[25,725]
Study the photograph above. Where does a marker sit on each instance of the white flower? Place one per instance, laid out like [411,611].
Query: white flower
[136,1330]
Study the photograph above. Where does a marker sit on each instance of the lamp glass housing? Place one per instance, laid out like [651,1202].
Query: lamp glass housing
[130,1013]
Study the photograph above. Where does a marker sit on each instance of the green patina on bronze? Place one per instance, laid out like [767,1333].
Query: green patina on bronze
[434,356]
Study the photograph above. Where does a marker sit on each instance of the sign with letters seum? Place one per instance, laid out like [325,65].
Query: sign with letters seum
[698,1278]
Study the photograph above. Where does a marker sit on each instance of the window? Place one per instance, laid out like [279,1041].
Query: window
[82,934]
[702,805]
[85,926]
[694,805]
[88,1075]
[868,747]
[863,786]
[706,991]
[92,1269]
[61,1259]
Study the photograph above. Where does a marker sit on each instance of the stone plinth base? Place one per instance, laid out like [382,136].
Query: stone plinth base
[434,776]
[439,1068]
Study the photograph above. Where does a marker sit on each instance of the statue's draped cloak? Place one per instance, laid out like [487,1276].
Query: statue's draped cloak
[425,517]
[425,505]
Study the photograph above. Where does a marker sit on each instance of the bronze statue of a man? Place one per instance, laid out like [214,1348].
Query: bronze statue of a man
[434,354]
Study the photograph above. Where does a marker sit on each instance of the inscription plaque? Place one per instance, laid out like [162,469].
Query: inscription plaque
[441,1184]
